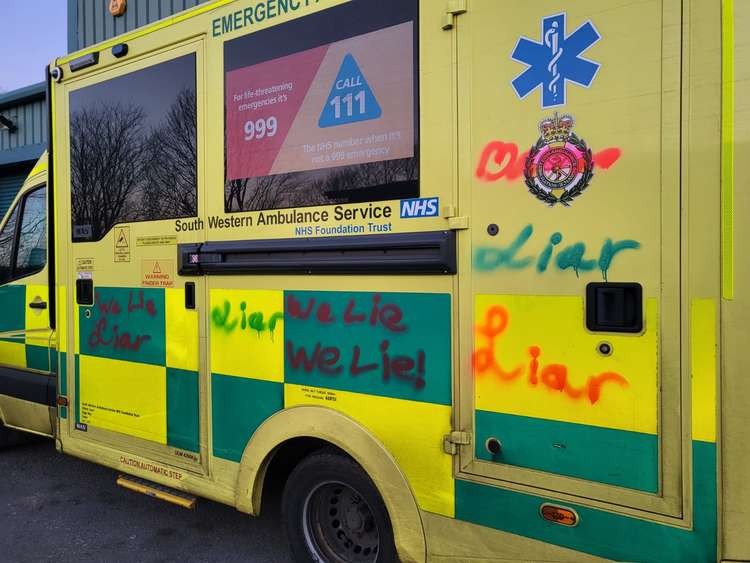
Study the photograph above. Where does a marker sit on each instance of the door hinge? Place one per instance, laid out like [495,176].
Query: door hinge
[458,223]
[455,222]
[453,440]
[453,9]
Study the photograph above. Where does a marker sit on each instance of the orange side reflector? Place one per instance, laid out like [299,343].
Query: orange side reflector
[117,7]
[559,515]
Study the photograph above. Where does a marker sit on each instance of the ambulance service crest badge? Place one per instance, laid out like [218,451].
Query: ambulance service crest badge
[560,165]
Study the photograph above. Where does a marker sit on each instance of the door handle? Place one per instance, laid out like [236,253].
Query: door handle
[38,305]
[190,295]
[614,307]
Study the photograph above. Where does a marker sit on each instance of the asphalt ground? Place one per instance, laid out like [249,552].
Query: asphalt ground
[57,508]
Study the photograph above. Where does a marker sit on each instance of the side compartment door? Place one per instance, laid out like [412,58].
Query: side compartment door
[134,174]
[27,385]
[570,120]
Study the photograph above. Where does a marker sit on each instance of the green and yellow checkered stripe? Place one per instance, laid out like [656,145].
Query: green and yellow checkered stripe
[136,365]
[24,332]
[614,535]
[278,349]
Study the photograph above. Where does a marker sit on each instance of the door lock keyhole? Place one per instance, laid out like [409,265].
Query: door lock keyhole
[493,446]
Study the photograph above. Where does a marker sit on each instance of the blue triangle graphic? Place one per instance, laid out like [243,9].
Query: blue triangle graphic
[351,99]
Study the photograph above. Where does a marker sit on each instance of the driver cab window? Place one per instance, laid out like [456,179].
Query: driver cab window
[7,237]
[23,244]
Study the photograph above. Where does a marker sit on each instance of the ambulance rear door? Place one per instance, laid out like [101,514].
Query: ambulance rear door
[570,288]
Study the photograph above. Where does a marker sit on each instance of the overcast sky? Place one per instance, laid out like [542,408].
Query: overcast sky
[32,33]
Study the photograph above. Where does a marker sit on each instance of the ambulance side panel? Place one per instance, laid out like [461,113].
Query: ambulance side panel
[578,436]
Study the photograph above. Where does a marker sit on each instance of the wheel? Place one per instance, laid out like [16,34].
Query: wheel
[333,513]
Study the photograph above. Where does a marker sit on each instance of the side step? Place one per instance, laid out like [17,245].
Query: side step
[157,491]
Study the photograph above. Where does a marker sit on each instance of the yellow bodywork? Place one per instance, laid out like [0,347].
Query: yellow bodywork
[35,332]
[641,435]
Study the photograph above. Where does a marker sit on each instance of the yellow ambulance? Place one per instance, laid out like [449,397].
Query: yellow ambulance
[468,275]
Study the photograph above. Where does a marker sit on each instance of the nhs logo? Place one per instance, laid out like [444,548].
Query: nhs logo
[424,207]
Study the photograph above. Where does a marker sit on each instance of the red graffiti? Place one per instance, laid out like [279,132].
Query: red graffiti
[502,160]
[388,315]
[118,340]
[327,360]
[102,335]
[333,360]
[606,158]
[139,305]
[552,376]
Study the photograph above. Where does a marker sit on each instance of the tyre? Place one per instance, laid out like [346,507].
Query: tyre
[333,513]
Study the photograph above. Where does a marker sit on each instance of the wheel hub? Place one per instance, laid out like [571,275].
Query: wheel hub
[339,525]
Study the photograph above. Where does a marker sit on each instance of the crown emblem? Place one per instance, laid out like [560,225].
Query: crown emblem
[560,165]
[556,129]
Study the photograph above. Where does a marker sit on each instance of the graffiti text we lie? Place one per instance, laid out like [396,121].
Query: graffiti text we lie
[552,376]
[384,322]
[108,331]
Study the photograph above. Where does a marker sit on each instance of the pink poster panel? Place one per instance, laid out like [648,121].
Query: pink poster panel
[350,102]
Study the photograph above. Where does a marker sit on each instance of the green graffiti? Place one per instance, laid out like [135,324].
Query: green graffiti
[611,249]
[496,258]
[219,319]
[544,257]
[570,257]
[573,257]
[250,321]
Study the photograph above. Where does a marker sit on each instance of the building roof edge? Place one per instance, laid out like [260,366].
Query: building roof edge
[23,95]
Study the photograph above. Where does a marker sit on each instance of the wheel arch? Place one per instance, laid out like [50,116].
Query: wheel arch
[352,438]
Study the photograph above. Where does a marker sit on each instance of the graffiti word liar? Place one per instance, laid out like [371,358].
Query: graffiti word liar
[550,376]
[568,257]
[228,320]
[501,160]
[371,356]
[108,333]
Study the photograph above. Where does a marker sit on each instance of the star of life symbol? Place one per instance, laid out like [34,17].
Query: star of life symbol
[555,60]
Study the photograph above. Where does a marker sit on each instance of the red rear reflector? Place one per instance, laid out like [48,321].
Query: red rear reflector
[559,515]
[62,401]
